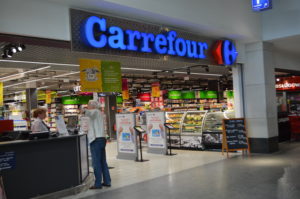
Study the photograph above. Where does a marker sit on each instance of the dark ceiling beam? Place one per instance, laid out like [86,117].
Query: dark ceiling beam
[34,41]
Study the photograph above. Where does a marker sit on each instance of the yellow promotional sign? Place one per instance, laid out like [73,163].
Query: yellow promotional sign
[1,93]
[48,97]
[90,75]
[125,94]
[155,89]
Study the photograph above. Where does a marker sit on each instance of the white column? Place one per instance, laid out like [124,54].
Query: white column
[260,97]
[237,76]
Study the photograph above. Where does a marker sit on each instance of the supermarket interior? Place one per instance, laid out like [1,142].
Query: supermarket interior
[195,97]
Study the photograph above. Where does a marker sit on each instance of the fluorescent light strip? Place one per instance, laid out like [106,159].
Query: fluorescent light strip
[141,69]
[35,80]
[208,74]
[29,71]
[14,92]
[66,74]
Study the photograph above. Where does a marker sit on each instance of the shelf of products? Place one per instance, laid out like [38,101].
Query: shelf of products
[175,119]
[192,122]
[54,109]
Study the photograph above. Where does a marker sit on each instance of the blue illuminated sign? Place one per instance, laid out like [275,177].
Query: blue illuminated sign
[97,35]
[260,5]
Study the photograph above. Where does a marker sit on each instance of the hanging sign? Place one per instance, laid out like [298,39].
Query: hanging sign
[156,130]
[1,93]
[126,136]
[48,97]
[125,91]
[90,75]
[155,89]
[174,94]
[111,76]
[260,5]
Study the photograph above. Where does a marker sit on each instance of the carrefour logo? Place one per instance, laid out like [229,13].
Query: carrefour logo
[224,52]
[97,35]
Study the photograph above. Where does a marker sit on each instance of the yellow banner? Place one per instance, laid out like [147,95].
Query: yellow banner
[1,93]
[90,75]
[48,97]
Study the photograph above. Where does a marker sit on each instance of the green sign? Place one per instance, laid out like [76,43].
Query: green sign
[174,94]
[211,94]
[188,94]
[76,99]
[111,76]
[119,99]
[203,95]
[229,94]
[208,94]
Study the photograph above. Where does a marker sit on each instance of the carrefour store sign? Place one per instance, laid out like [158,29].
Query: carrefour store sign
[100,32]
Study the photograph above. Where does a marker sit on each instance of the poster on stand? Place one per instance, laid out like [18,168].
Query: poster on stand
[126,136]
[156,132]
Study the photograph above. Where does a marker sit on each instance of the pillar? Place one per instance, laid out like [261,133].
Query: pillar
[110,111]
[260,98]
[31,99]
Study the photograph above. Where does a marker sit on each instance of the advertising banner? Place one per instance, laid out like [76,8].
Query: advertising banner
[156,130]
[174,94]
[111,76]
[126,136]
[90,75]
[155,89]
[48,97]
[125,91]
[1,93]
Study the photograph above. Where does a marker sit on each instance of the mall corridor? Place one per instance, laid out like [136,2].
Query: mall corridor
[269,176]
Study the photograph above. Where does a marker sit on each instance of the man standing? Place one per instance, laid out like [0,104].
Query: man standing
[97,142]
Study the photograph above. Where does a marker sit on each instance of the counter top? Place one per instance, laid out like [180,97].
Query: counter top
[39,140]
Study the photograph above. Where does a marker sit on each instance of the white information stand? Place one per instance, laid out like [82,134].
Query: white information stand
[126,136]
[157,139]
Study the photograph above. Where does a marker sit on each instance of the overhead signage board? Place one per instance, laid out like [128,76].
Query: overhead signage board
[288,83]
[99,33]
[261,5]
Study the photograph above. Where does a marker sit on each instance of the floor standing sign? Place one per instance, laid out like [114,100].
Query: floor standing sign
[126,136]
[156,132]
[235,135]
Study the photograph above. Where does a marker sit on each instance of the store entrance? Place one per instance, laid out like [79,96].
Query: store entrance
[288,104]
[196,97]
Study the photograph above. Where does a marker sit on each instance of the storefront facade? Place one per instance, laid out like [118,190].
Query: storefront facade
[253,82]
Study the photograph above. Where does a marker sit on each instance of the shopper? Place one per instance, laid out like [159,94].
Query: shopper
[39,125]
[97,142]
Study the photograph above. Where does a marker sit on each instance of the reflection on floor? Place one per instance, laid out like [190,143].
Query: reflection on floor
[268,176]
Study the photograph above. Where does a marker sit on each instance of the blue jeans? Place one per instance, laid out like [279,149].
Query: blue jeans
[99,162]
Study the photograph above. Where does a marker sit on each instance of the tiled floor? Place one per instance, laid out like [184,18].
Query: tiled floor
[128,172]
[206,175]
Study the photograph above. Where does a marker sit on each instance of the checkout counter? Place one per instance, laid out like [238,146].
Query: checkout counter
[42,166]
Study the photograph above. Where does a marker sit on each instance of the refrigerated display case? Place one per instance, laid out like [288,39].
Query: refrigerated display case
[212,129]
[193,122]
[175,119]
